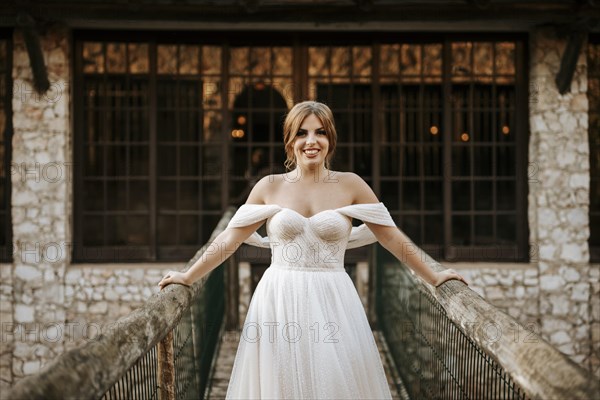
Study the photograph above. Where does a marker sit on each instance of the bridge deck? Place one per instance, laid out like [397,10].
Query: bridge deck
[228,346]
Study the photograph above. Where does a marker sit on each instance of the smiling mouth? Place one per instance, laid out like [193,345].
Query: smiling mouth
[311,152]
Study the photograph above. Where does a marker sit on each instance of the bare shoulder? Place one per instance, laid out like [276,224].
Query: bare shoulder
[262,188]
[360,190]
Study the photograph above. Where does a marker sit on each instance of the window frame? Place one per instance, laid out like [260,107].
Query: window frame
[6,251]
[593,40]
[300,42]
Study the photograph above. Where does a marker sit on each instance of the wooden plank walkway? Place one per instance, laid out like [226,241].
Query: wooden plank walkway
[220,376]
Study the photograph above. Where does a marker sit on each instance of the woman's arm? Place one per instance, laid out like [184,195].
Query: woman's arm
[396,242]
[221,248]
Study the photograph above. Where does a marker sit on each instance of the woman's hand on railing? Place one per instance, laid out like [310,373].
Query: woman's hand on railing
[446,275]
[174,277]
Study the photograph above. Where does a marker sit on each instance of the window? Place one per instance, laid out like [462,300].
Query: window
[170,131]
[593,59]
[150,146]
[5,145]
[434,128]
[260,94]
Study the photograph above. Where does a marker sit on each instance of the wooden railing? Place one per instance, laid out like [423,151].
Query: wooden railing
[438,340]
[162,350]
[449,343]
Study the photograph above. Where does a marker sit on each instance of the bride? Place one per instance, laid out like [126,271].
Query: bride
[306,334]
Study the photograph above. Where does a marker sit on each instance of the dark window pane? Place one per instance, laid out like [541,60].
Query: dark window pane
[189,122]
[483,161]
[138,230]
[483,126]
[341,159]
[595,230]
[209,223]
[433,161]
[461,161]
[117,230]
[167,162]
[506,195]
[505,161]
[93,231]
[167,195]
[189,194]
[389,195]
[138,125]
[240,161]
[139,160]
[189,231]
[94,161]
[434,229]
[461,230]
[340,96]
[211,195]
[390,161]
[139,196]
[484,230]
[167,230]
[363,127]
[116,193]
[116,157]
[3,238]
[411,161]
[342,127]
[362,161]
[166,129]
[461,195]
[484,195]
[93,195]
[189,160]
[411,196]
[506,228]
[434,195]
[116,122]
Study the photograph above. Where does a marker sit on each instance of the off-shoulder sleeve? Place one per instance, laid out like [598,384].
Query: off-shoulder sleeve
[248,214]
[376,213]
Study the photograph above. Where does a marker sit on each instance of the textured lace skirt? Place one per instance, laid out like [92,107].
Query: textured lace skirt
[306,336]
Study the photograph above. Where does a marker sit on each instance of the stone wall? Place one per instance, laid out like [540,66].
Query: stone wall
[49,305]
[559,198]
[513,288]
[594,359]
[41,188]
[98,295]
[6,320]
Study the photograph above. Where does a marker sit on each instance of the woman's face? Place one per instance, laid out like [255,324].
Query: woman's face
[311,144]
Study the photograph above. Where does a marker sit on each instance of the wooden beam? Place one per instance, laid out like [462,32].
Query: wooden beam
[326,12]
[251,6]
[576,34]
[34,50]
[569,62]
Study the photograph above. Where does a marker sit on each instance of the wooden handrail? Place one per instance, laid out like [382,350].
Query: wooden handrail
[88,371]
[540,369]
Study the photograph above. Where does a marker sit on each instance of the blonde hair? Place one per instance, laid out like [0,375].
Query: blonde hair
[294,120]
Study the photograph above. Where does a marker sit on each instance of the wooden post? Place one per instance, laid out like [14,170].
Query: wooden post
[166,368]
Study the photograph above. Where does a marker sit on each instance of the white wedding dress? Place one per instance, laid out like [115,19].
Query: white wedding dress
[306,334]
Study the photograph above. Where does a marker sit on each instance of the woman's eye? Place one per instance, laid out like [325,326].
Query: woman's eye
[322,132]
[300,133]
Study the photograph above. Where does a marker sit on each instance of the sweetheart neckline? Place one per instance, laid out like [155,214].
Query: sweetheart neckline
[320,212]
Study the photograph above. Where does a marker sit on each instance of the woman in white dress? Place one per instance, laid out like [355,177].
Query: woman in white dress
[306,334]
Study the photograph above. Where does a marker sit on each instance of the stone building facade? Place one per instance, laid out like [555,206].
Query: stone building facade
[49,304]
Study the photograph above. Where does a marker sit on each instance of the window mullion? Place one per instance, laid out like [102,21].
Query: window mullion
[447,143]
[152,121]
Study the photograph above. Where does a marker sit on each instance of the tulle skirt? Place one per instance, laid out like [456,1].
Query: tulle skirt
[306,336]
